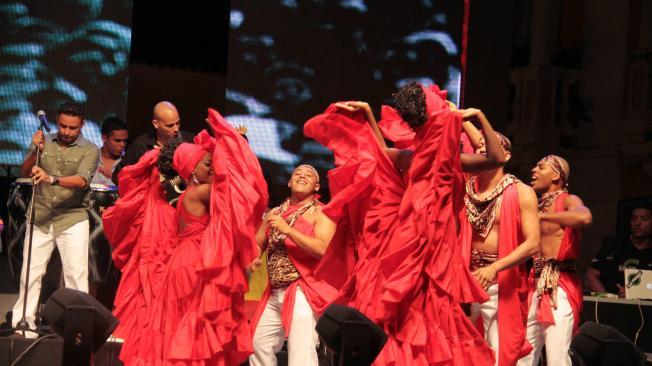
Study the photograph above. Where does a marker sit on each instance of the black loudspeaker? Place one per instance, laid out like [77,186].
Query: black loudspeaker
[83,322]
[597,344]
[354,338]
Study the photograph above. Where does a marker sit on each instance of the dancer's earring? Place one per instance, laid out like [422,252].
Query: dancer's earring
[194,179]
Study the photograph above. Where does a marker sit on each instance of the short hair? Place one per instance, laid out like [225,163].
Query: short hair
[111,124]
[410,103]
[166,158]
[641,206]
[71,109]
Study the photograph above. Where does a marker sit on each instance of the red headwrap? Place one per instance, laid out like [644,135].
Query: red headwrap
[186,158]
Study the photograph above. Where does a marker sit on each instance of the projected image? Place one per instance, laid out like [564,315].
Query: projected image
[52,52]
[289,59]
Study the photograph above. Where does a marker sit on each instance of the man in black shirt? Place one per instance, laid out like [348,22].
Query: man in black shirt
[633,251]
[167,124]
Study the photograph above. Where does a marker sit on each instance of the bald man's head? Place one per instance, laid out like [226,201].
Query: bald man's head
[166,121]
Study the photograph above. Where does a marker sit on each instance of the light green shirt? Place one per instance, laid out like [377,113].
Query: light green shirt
[55,205]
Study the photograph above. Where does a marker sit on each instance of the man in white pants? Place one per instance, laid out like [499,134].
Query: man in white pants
[296,234]
[67,163]
[500,233]
[555,288]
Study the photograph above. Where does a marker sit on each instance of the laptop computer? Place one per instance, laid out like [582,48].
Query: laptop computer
[638,284]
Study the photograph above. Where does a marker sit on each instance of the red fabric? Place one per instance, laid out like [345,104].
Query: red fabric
[350,185]
[318,292]
[215,330]
[570,282]
[409,277]
[140,228]
[186,157]
[395,129]
[512,282]
[198,306]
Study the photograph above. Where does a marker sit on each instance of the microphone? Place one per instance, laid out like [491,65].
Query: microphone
[44,121]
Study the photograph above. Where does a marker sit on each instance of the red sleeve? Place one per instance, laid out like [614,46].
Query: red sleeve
[355,149]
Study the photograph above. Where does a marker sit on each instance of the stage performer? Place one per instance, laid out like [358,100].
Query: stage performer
[501,232]
[62,180]
[181,299]
[409,277]
[296,235]
[555,288]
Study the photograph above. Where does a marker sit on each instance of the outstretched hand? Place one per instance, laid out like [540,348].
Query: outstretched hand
[353,106]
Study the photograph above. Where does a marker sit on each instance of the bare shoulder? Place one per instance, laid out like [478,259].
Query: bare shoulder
[526,193]
[201,193]
[321,216]
[573,201]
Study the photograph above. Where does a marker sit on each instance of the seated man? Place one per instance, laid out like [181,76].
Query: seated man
[616,254]
[114,139]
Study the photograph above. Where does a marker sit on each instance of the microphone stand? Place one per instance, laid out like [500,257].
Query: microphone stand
[23,326]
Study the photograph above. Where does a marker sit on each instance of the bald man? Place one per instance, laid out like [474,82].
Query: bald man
[167,124]
[555,288]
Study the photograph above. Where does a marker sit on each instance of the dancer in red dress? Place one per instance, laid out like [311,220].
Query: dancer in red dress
[410,278]
[193,295]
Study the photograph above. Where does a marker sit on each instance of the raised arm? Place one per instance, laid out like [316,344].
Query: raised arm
[364,107]
[495,155]
[575,214]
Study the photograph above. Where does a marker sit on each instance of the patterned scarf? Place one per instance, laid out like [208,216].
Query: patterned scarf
[482,212]
[275,236]
[547,199]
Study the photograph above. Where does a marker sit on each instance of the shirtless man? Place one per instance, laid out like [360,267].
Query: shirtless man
[501,233]
[296,235]
[555,288]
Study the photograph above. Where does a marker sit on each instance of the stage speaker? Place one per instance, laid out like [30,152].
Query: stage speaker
[83,322]
[597,344]
[353,338]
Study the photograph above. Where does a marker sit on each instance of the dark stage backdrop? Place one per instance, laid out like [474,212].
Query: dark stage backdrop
[56,51]
[288,59]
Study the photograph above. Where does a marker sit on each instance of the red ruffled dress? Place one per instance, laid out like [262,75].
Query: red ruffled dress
[410,277]
[181,298]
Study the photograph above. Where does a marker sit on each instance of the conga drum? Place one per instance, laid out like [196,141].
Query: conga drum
[99,260]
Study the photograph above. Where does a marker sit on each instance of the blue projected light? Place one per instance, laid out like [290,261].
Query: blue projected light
[282,73]
[74,51]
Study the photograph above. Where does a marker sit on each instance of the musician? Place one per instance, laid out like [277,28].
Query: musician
[67,163]
[114,139]
[167,125]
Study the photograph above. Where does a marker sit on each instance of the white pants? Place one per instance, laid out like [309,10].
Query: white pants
[556,337]
[489,312]
[73,248]
[269,334]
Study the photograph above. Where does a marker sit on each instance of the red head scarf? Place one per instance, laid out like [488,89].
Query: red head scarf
[186,158]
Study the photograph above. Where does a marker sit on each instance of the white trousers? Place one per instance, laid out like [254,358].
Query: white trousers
[556,337]
[489,313]
[73,248]
[269,334]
